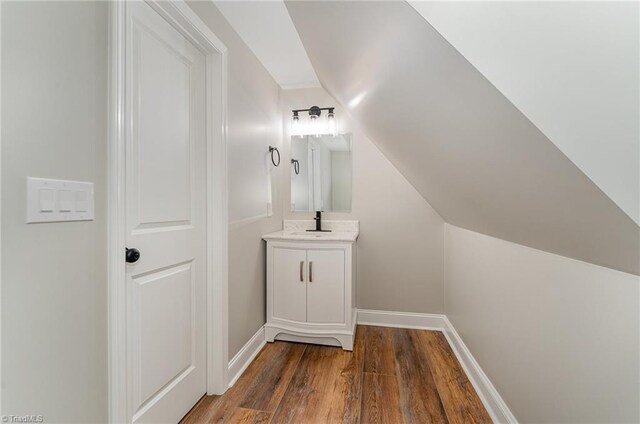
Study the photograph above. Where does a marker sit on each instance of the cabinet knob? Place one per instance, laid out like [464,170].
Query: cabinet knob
[310,272]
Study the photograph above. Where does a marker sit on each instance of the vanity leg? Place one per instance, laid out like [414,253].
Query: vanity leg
[346,342]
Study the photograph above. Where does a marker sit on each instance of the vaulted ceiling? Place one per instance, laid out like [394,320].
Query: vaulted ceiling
[484,161]
[469,151]
[266,27]
[572,68]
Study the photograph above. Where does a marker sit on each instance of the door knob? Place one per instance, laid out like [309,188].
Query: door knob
[132,255]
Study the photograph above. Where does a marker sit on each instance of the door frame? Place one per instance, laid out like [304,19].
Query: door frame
[185,20]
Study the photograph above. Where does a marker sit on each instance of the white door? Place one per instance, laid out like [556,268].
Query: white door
[325,291]
[165,219]
[289,284]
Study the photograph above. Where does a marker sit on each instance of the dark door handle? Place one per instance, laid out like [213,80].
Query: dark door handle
[132,255]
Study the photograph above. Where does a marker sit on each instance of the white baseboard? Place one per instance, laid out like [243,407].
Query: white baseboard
[497,408]
[401,319]
[247,354]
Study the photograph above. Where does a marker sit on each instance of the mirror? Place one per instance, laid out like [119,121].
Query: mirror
[321,173]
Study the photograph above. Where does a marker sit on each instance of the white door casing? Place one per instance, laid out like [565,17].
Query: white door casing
[168,312]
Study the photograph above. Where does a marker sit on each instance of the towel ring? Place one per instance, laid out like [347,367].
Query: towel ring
[271,150]
[296,166]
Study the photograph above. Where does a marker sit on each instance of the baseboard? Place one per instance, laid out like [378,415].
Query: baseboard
[247,354]
[401,319]
[493,402]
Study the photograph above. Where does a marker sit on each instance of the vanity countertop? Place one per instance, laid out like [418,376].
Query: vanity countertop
[346,231]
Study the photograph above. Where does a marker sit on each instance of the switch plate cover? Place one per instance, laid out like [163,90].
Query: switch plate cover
[59,200]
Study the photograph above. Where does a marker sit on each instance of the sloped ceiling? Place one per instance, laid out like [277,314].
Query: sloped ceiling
[571,67]
[469,151]
[265,26]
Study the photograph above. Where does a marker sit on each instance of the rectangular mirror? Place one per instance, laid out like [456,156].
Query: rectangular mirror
[321,173]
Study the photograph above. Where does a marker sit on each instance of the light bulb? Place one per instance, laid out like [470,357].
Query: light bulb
[296,126]
[331,124]
[314,126]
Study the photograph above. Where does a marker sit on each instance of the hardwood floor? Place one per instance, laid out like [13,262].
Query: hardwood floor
[392,376]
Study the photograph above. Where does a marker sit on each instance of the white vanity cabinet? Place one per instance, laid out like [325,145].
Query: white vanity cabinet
[310,289]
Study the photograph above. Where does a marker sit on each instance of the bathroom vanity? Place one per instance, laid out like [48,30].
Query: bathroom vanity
[311,283]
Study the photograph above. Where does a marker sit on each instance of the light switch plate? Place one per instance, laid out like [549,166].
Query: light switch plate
[59,200]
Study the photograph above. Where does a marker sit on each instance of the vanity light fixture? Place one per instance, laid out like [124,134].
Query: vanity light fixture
[315,126]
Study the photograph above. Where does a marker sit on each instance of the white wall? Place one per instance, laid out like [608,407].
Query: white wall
[54,291]
[400,248]
[573,68]
[254,123]
[558,338]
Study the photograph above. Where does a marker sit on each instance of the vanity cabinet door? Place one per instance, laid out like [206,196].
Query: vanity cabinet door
[289,284]
[326,285]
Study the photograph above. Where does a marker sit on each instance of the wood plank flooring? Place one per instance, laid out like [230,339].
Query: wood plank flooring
[392,376]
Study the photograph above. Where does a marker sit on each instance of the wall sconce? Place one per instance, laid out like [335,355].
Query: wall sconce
[315,125]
